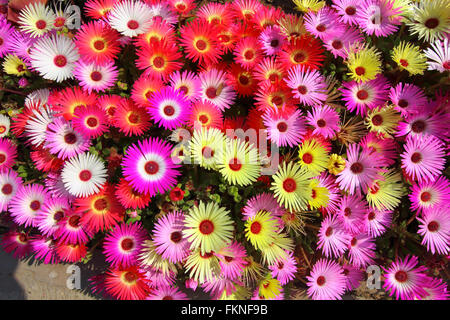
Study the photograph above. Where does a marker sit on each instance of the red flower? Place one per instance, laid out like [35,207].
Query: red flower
[176,194]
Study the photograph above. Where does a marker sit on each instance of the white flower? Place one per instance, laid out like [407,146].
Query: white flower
[4,125]
[439,53]
[36,19]
[130,18]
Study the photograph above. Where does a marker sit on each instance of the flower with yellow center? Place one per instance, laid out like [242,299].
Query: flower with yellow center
[409,57]
[320,195]
[269,288]
[261,229]
[383,120]
[313,157]
[291,186]
[15,66]
[363,63]
[336,164]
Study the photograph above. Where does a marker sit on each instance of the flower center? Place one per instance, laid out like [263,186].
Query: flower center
[329,231]
[169,111]
[99,45]
[337,44]
[184,90]
[127,244]
[235,164]
[377,120]
[2,158]
[353,242]
[446,65]
[307,158]
[402,103]
[321,27]
[401,276]
[92,122]
[96,76]
[371,215]
[7,189]
[321,123]
[70,138]
[133,117]
[347,212]
[100,204]
[320,281]
[201,45]
[23,238]
[249,54]
[180,6]
[151,167]
[204,119]
[2,127]
[175,236]
[404,63]
[256,227]
[433,226]
[85,175]
[432,23]
[167,298]
[35,205]
[207,152]
[130,277]
[360,71]
[206,227]
[58,216]
[60,61]
[299,57]
[302,89]
[41,24]
[158,62]
[74,221]
[416,157]
[133,24]
[362,94]
[244,80]
[418,126]
[282,127]
[211,92]
[357,168]
[289,185]
[274,43]
[277,100]
[425,196]
[350,11]
[228,259]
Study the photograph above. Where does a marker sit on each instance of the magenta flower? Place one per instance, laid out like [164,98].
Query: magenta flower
[325,121]
[27,204]
[284,269]
[263,201]
[231,260]
[353,276]
[361,250]
[435,228]
[333,238]
[326,281]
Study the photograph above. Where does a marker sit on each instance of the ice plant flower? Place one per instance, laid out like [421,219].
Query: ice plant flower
[326,281]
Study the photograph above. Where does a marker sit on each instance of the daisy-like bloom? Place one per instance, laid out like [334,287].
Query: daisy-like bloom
[309,5]
[361,168]
[325,121]
[239,163]
[98,9]
[333,238]
[436,289]
[409,57]
[149,258]
[94,77]
[55,185]
[167,293]
[71,230]
[351,212]
[131,119]
[205,115]
[378,17]
[10,182]
[429,195]
[5,124]
[157,279]
[404,279]
[46,161]
[245,9]
[17,243]
[97,42]
[123,244]
[302,51]
[231,260]
[159,60]
[27,204]
[385,147]
[187,83]
[44,249]
[168,237]
[439,54]
[6,37]
[126,283]
[339,44]
[162,13]
[383,120]
[182,7]
[313,156]
[435,228]
[202,267]
[336,164]
[326,281]
[347,9]
[130,198]
[291,186]
[261,202]
[36,125]
[365,95]
[200,42]
[277,249]
[66,101]
[214,89]
[364,63]
[429,19]
[206,147]
[64,141]
[323,23]
[15,66]
[208,227]
[353,276]
[272,40]
[270,70]
[36,19]
[261,229]
[100,211]
[20,44]
[169,108]
[424,123]
[54,57]
[269,288]
[285,128]
[243,81]
[361,250]
[160,30]
[143,88]
[71,253]
[407,98]
[423,158]
[148,167]
[219,286]
[216,13]
[284,270]
[328,182]
[84,175]
[307,85]
[248,52]
[8,154]
[53,211]
[90,121]
[130,18]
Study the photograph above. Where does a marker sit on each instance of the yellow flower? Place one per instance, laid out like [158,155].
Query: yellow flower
[276,251]
[383,120]
[409,57]
[261,229]
[269,288]
[336,164]
[386,193]
[313,157]
[309,5]
[15,66]
[364,63]
[202,267]
[320,195]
